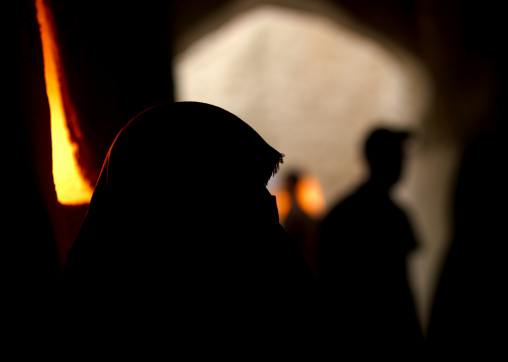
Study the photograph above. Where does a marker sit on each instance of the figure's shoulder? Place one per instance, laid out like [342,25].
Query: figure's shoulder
[342,210]
[351,201]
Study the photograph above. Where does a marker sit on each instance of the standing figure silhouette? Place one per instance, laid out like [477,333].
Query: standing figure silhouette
[182,241]
[300,226]
[363,245]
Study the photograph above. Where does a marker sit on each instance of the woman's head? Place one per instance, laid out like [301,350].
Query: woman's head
[188,144]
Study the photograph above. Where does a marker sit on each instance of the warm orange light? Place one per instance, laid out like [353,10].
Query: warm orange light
[283,203]
[309,196]
[71,186]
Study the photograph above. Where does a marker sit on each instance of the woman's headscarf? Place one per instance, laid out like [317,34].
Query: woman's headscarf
[181,218]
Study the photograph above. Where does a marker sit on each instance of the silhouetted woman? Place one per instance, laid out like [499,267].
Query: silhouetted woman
[182,236]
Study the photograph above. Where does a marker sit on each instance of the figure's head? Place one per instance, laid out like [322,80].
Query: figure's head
[181,201]
[384,151]
[185,151]
[292,179]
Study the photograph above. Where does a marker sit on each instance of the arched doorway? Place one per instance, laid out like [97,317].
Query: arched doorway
[312,82]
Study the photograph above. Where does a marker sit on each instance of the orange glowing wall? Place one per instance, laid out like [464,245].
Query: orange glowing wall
[70,184]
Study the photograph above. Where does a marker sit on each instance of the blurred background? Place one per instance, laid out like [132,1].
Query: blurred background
[311,77]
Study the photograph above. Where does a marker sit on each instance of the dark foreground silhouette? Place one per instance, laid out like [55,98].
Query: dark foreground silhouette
[469,314]
[362,254]
[182,245]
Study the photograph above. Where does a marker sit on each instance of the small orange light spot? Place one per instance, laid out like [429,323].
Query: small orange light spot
[309,196]
[71,187]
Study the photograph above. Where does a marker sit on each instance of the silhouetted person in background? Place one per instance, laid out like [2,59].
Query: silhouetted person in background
[362,259]
[182,241]
[300,227]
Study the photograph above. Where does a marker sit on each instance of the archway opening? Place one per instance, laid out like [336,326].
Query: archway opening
[313,87]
